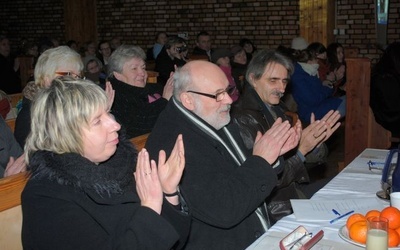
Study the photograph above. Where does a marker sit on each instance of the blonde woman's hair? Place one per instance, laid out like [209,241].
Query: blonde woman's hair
[60,112]
[53,59]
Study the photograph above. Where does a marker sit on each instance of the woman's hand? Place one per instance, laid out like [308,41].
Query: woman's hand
[147,183]
[170,171]
[110,92]
[169,86]
[15,166]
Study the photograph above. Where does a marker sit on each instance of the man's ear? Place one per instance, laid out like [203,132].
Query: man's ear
[187,100]
[252,82]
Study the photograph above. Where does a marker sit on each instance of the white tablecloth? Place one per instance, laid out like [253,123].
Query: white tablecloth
[355,181]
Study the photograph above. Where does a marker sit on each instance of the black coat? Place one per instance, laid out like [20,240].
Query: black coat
[165,65]
[222,196]
[132,109]
[71,203]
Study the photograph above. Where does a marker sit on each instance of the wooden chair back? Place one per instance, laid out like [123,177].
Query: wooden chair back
[198,57]
[140,141]
[10,210]
[152,76]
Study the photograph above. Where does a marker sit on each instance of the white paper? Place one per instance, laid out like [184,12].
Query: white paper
[321,210]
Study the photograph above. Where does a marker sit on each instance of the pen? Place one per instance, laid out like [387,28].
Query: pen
[335,212]
[342,216]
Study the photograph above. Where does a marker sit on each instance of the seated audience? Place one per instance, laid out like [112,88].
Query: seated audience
[309,93]
[256,111]
[337,66]
[137,104]
[31,50]
[93,70]
[172,55]
[385,90]
[11,155]
[52,63]
[203,45]
[248,47]
[85,191]
[239,65]
[9,81]
[318,50]
[221,57]
[90,49]
[224,184]
[115,42]
[73,45]
[161,40]
[104,53]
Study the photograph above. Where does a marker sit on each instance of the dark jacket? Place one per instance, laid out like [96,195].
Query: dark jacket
[221,195]
[23,121]
[71,203]
[165,65]
[251,115]
[238,71]
[311,96]
[385,98]
[132,108]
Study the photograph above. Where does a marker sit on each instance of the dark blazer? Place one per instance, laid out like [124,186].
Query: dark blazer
[71,203]
[132,109]
[222,196]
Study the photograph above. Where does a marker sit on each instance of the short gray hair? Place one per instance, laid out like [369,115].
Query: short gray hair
[265,57]
[121,55]
[52,59]
[183,80]
[60,112]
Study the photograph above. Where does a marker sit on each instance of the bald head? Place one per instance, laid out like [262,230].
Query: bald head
[196,75]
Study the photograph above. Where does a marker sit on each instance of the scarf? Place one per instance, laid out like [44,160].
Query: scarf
[311,69]
[234,150]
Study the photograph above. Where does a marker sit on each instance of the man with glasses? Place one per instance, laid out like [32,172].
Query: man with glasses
[172,55]
[224,184]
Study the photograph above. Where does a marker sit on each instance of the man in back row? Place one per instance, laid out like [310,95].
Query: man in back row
[224,184]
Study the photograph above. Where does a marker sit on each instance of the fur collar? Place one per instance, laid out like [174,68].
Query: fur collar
[110,177]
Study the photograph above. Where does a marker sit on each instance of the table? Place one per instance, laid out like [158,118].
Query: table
[355,181]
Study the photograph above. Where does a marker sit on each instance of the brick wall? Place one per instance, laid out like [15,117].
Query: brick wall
[268,23]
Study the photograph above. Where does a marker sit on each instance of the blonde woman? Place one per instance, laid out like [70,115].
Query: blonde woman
[83,192]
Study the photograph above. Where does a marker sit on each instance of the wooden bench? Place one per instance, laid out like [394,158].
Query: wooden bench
[10,210]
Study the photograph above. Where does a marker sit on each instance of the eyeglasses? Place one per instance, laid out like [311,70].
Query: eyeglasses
[218,96]
[72,74]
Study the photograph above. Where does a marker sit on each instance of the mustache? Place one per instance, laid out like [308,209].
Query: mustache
[278,93]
